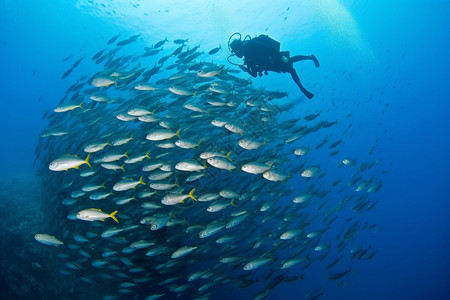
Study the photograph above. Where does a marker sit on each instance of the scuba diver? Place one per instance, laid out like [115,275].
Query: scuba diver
[262,54]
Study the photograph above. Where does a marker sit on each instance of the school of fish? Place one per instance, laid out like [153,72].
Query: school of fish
[179,179]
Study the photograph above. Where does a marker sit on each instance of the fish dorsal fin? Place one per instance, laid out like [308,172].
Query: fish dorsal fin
[97,209]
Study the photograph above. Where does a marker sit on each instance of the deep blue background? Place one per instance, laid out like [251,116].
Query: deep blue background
[403,62]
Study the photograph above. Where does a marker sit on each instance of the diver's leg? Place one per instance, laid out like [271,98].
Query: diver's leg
[315,60]
[305,57]
[297,81]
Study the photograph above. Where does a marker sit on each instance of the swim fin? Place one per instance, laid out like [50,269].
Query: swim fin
[316,61]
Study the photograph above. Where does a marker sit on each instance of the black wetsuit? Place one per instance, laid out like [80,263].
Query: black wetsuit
[263,54]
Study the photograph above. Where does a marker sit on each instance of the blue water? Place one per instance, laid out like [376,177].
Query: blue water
[384,63]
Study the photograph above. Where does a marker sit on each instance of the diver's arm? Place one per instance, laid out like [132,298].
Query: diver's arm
[251,71]
[245,69]
[249,68]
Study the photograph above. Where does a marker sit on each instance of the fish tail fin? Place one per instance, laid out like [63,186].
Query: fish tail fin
[232,203]
[87,160]
[146,155]
[178,133]
[228,156]
[123,167]
[112,215]
[125,154]
[194,94]
[115,81]
[176,182]
[191,194]
[131,137]
[81,104]
[140,180]
[199,141]
[153,112]
[265,141]
[208,111]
